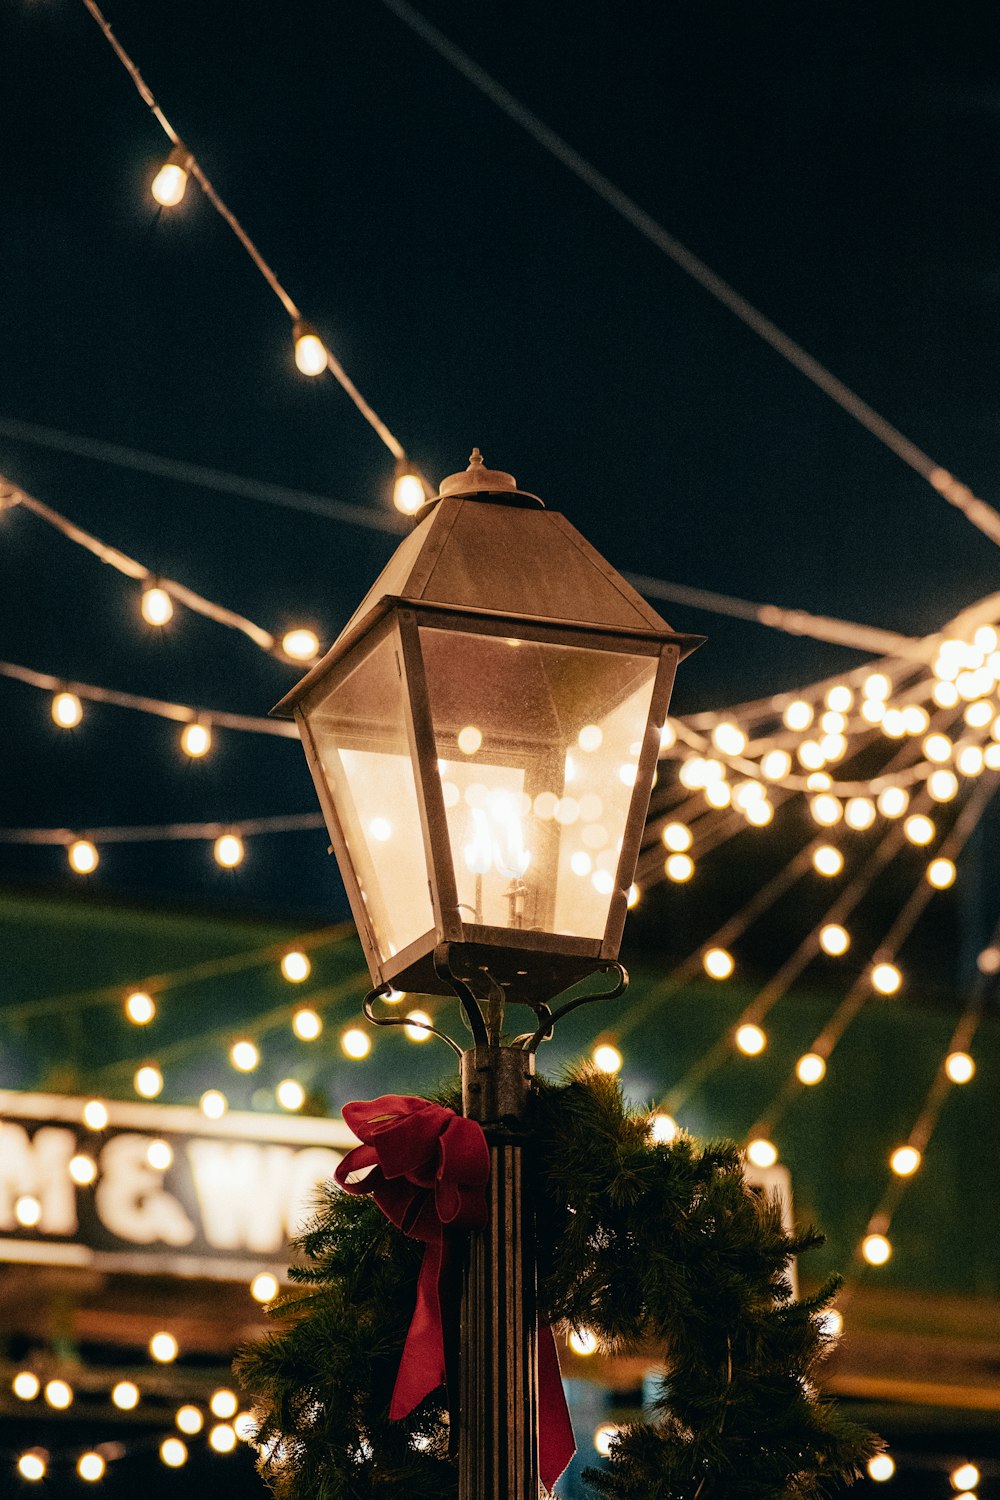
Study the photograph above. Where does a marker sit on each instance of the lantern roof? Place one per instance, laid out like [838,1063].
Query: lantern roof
[485,547]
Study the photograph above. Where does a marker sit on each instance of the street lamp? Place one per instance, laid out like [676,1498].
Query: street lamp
[483,736]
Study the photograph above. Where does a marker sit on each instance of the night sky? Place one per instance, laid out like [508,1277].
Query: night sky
[838,164]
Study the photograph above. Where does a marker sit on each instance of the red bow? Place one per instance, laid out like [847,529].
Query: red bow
[427,1169]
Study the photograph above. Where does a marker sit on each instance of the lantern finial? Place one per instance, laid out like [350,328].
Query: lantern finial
[477,479]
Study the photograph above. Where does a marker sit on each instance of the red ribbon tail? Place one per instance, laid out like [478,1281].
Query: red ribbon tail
[422,1367]
[556,1443]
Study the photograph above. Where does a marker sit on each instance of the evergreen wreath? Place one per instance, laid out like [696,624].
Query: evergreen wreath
[651,1246]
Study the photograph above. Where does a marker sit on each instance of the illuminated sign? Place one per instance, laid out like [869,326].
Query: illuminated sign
[172,1192]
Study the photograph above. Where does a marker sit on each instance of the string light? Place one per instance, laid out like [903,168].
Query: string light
[718,963]
[173,1453]
[893,724]
[881,1467]
[942,785]
[605,1438]
[886,978]
[164,1348]
[979,714]
[941,873]
[797,715]
[876,1249]
[677,837]
[826,810]
[607,1058]
[295,966]
[196,740]
[189,1420]
[82,1169]
[95,1114]
[810,1068]
[876,686]
[839,698]
[834,939]
[762,1152]
[90,1467]
[969,760]
[832,723]
[300,644]
[264,1287]
[668,736]
[26,1385]
[125,1395]
[311,357]
[244,1056]
[729,738]
[140,1008]
[945,694]
[811,755]
[759,813]
[859,813]
[633,897]
[965,1477]
[156,605]
[663,1128]
[33,1464]
[938,748]
[67,710]
[245,1426]
[915,718]
[893,801]
[959,1067]
[583,1342]
[213,1104]
[290,1094]
[417,1032]
[679,868]
[148,1081]
[718,794]
[905,1160]
[775,765]
[159,1155]
[827,860]
[83,857]
[750,1039]
[228,850]
[873,710]
[355,1043]
[306,1024]
[223,1403]
[919,829]
[407,491]
[59,1394]
[831,1321]
[170,183]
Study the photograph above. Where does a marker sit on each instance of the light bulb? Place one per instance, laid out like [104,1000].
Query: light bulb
[826,810]
[941,874]
[170,183]
[633,897]
[969,760]
[408,492]
[839,698]
[264,1287]
[762,1152]
[157,605]
[979,714]
[833,746]
[750,1039]
[310,351]
[759,814]
[90,1467]
[919,829]
[295,966]
[140,1008]
[832,1322]
[306,1024]
[810,1068]
[873,710]
[668,736]
[905,1160]
[729,738]
[95,1114]
[877,686]
[797,715]
[832,723]
[945,694]
[718,794]
[67,710]
[26,1385]
[959,1067]
[605,1438]
[173,1453]
[834,939]
[965,1477]
[148,1081]
[718,963]
[125,1395]
[189,1419]
[886,978]
[290,1094]
[223,1403]
[164,1348]
[938,748]
[244,1056]
[776,764]
[607,1058]
[692,773]
[827,860]
[213,1104]
[196,740]
[82,1169]
[159,1155]
[591,737]
[228,850]
[915,718]
[859,813]
[222,1438]
[27,1210]
[942,785]
[83,857]
[663,1128]
[470,739]
[418,1032]
[59,1394]
[300,644]
[677,836]
[33,1465]
[679,868]
[876,1249]
[893,724]
[881,1468]
[893,801]
[245,1426]
[811,755]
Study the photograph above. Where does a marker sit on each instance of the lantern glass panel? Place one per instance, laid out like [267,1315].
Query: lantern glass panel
[538,747]
[360,737]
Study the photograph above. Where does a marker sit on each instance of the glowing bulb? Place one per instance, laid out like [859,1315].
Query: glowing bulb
[941,874]
[583,1342]
[692,773]
[196,740]
[811,755]
[159,1155]
[876,1249]
[979,714]
[945,694]
[668,736]
[965,1477]
[59,1394]
[603,882]
[32,1465]
[408,492]
[173,1452]
[310,351]
[942,785]
[873,710]
[832,1322]
[839,698]
[776,764]
[893,724]
[228,850]
[470,739]
[607,1058]
[834,939]
[759,813]
[877,686]
[222,1438]
[212,1104]
[95,1114]
[157,606]
[418,1032]
[27,1210]
[380,830]
[307,1025]
[189,1420]
[718,794]
[295,967]
[67,710]
[90,1466]
[245,1426]
[140,1008]
[746,793]
[679,867]
[881,1468]
[938,748]
[893,801]
[633,897]
[859,813]
[718,963]
[959,1067]
[148,1081]
[355,1043]
[223,1404]
[591,737]
[164,1348]
[826,810]
[677,836]
[83,857]
[125,1395]
[82,1169]
[905,1160]
[300,644]
[605,1438]
[919,829]
[915,718]
[751,1040]
[969,760]
[26,1385]
[832,723]
[797,715]
[833,746]
[810,1068]
[991,756]
[244,1056]
[729,738]
[264,1287]
[762,1153]
[170,183]
[663,1128]
[827,860]
[886,978]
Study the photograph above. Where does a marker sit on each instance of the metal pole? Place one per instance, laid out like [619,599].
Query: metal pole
[498,1435]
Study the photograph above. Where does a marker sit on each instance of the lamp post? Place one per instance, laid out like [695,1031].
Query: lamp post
[483,737]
